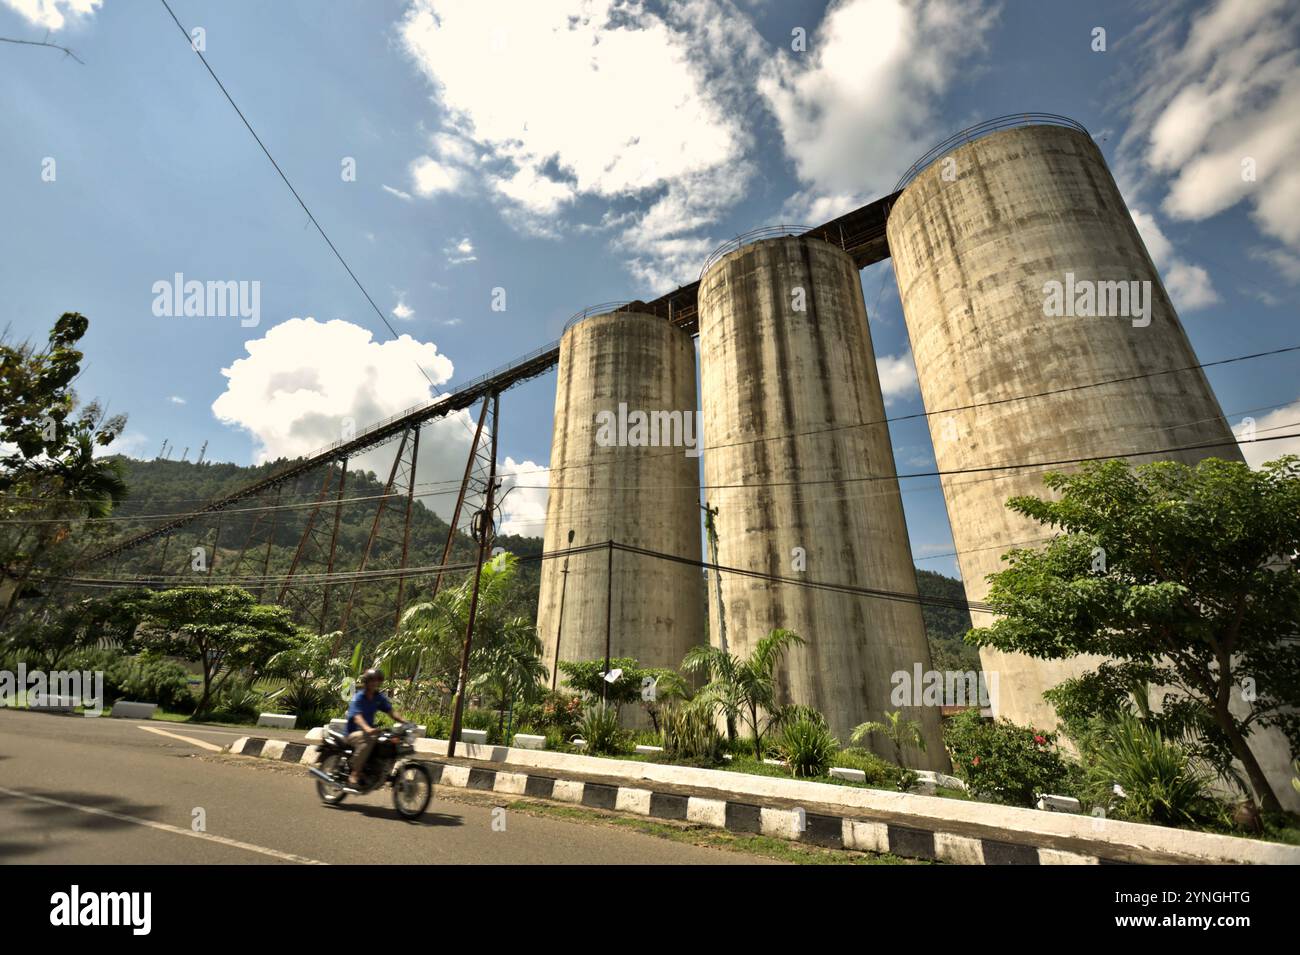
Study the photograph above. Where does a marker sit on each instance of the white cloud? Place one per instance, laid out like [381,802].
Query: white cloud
[1218,96]
[430,177]
[460,252]
[897,377]
[404,196]
[305,384]
[1285,420]
[524,509]
[861,105]
[53,14]
[1188,285]
[402,311]
[1286,263]
[176,400]
[619,103]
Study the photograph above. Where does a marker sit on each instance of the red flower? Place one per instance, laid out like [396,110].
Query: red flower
[1040,740]
[975,761]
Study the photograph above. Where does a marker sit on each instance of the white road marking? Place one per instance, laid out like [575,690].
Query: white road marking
[164,827]
[184,739]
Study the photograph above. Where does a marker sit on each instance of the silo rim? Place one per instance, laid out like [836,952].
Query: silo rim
[979,130]
[756,235]
[637,307]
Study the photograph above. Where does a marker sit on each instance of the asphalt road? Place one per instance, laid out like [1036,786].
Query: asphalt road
[90,791]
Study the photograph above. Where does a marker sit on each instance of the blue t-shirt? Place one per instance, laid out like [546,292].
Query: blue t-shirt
[367,708]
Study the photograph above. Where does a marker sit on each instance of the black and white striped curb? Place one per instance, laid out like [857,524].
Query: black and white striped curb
[795,824]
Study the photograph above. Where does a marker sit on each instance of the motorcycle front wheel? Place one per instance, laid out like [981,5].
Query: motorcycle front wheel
[330,766]
[412,790]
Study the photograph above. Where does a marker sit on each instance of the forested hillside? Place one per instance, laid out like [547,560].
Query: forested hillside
[241,535]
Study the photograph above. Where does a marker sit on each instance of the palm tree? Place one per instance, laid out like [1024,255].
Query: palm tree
[432,634]
[897,730]
[743,688]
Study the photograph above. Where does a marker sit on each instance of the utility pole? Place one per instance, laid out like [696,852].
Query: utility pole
[559,626]
[609,619]
[484,530]
[710,513]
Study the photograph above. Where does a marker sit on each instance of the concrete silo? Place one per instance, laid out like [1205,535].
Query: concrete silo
[976,240]
[613,485]
[792,406]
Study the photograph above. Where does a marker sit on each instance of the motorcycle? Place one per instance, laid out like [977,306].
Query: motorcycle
[390,763]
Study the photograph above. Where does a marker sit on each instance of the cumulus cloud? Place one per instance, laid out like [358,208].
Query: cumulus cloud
[862,104]
[176,400]
[306,384]
[589,123]
[1285,420]
[897,377]
[524,507]
[1188,285]
[53,14]
[430,177]
[402,311]
[1216,113]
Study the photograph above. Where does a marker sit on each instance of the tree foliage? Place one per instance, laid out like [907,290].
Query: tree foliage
[1184,578]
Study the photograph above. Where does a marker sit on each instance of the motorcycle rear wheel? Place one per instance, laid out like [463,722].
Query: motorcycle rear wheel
[412,790]
[330,795]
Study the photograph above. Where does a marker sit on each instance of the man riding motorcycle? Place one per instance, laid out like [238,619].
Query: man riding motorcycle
[361,728]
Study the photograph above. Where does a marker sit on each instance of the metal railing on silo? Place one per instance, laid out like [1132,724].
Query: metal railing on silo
[746,238]
[972,133]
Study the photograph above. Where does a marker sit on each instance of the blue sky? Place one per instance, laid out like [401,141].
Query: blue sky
[578,153]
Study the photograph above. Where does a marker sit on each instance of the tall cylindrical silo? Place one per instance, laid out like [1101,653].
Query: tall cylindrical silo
[793,423]
[977,240]
[609,483]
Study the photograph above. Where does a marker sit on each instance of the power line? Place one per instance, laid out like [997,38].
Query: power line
[944,473]
[338,255]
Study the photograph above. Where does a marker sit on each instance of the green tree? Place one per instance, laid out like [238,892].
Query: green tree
[899,731]
[1183,577]
[50,477]
[743,689]
[223,629]
[432,633]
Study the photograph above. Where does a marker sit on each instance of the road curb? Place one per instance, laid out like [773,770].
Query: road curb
[829,830]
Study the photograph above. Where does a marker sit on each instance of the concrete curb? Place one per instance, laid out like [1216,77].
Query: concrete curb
[796,824]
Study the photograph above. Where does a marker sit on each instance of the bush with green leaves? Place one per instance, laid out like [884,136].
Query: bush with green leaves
[237,703]
[1003,762]
[690,732]
[878,770]
[807,746]
[1161,781]
[599,727]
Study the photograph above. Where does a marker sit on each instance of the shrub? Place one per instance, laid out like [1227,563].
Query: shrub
[1003,762]
[238,703]
[690,732]
[808,746]
[879,771]
[1161,781]
[599,727]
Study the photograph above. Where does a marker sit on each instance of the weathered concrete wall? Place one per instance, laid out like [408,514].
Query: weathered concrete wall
[972,256]
[641,496]
[785,396]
